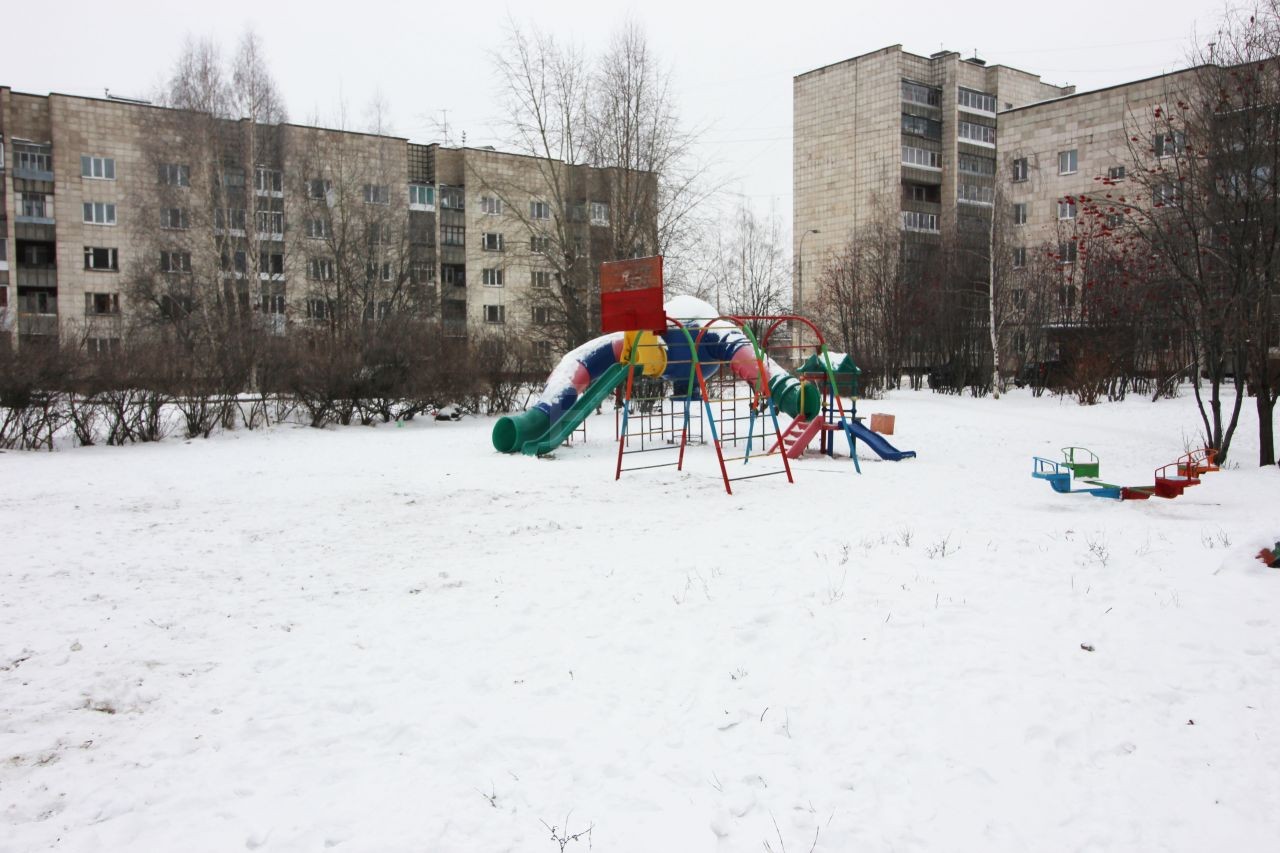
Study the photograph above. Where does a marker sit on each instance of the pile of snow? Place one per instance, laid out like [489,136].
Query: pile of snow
[375,639]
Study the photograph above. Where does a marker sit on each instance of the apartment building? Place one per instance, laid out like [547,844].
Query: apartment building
[1057,152]
[104,200]
[894,136]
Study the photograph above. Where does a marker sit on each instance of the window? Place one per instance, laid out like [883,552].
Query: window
[1163,194]
[599,213]
[273,303]
[320,269]
[541,316]
[491,277]
[1019,257]
[98,213]
[921,157]
[1067,162]
[968,99]
[268,181]
[102,168]
[38,302]
[380,271]
[453,235]
[454,274]
[1066,209]
[237,262]
[542,349]
[1115,173]
[973,194]
[379,234]
[422,272]
[1115,220]
[422,197]
[316,229]
[37,206]
[540,245]
[377,194]
[98,258]
[540,278]
[173,218]
[539,210]
[4,253]
[32,160]
[271,263]
[981,134]
[232,177]
[179,262]
[913,220]
[269,217]
[101,346]
[176,306]
[231,218]
[317,309]
[381,309]
[972,164]
[491,242]
[490,206]
[1019,300]
[495,314]
[1020,169]
[175,175]
[915,93]
[452,198]
[318,188]
[102,303]
[922,192]
[1169,144]
[919,126]
[1066,297]
[1067,252]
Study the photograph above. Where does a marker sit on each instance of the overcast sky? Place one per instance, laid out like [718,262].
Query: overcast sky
[732,62]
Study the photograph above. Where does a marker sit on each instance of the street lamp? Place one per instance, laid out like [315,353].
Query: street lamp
[798,307]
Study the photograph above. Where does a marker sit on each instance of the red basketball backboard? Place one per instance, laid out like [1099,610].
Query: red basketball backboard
[631,295]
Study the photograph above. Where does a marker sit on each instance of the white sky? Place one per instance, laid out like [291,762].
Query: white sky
[732,63]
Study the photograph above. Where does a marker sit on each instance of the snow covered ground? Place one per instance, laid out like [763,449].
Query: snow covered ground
[386,639]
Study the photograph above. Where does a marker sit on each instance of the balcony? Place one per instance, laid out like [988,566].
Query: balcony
[30,174]
[37,324]
[44,275]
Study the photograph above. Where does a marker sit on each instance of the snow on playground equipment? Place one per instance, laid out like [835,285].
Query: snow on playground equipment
[685,342]
[812,400]
[686,353]
[689,355]
[836,376]
[1171,480]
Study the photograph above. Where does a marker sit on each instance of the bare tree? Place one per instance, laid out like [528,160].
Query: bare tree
[752,276]
[633,129]
[1202,193]
[611,177]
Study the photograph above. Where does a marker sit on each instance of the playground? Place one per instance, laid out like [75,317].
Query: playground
[679,370]
[398,638]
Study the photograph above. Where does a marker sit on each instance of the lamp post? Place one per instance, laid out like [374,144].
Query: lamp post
[798,307]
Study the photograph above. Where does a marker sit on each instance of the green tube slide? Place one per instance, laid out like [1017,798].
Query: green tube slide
[789,394]
[511,432]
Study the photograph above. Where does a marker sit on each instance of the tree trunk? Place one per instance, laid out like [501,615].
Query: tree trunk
[1266,404]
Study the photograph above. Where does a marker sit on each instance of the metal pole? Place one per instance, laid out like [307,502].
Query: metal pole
[798,306]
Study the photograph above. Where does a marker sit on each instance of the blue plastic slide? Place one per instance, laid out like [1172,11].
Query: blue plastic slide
[876,442]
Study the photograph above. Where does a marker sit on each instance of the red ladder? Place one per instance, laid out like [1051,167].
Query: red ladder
[797,436]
